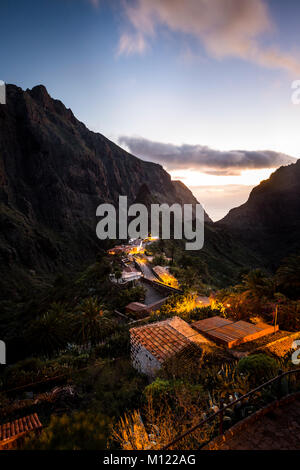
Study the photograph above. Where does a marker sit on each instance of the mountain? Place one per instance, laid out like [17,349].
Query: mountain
[54,172]
[269,222]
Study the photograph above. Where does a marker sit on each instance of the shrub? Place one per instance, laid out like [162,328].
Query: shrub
[81,431]
[163,418]
[29,364]
[158,389]
[258,367]
[163,391]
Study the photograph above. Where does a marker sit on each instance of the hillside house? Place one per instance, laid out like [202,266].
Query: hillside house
[130,274]
[153,344]
[127,275]
[140,310]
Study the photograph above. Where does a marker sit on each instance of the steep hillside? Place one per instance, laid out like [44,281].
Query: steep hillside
[54,172]
[269,222]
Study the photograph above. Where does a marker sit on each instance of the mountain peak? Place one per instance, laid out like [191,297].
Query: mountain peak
[39,93]
[55,173]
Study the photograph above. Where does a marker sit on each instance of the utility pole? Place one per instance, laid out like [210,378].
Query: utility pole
[275,319]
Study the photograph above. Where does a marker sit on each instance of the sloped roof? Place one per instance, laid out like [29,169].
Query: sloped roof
[165,338]
[130,269]
[183,327]
[210,323]
[162,341]
[232,333]
[19,427]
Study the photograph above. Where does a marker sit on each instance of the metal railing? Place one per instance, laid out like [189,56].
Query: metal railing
[220,413]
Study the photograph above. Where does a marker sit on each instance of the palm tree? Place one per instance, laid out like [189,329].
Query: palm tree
[50,331]
[288,274]
[93,321]
[255,285]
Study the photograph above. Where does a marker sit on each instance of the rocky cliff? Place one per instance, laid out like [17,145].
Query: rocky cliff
[54,172]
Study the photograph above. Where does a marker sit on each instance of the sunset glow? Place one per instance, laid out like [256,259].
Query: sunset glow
[246,178]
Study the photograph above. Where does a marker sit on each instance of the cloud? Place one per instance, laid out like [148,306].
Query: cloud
[206,159]
[226,28]
[131,44]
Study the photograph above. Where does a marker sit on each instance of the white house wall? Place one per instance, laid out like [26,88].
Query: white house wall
[143,360]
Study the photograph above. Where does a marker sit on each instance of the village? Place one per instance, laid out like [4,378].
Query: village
[153,344]
[171,336]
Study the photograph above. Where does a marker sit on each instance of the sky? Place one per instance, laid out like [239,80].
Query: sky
[203,87]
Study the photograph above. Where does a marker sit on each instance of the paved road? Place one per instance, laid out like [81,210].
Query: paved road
[152,294]
[148,274]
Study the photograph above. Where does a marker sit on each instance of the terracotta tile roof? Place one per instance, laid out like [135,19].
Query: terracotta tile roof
[183,327]
[163,339]
[18,427]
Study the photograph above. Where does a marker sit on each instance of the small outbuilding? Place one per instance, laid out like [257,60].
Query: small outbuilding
[230,333]
[137,309]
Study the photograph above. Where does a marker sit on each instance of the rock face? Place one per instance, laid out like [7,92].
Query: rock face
[54,172]
[269,222]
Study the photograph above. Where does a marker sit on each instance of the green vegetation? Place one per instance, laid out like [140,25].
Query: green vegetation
[80,431]
[258,367]
[69,331]
[260,294]
[171,406]
[160,260]
[184,306]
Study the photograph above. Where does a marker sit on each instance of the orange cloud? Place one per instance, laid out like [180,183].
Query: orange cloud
[226,28]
